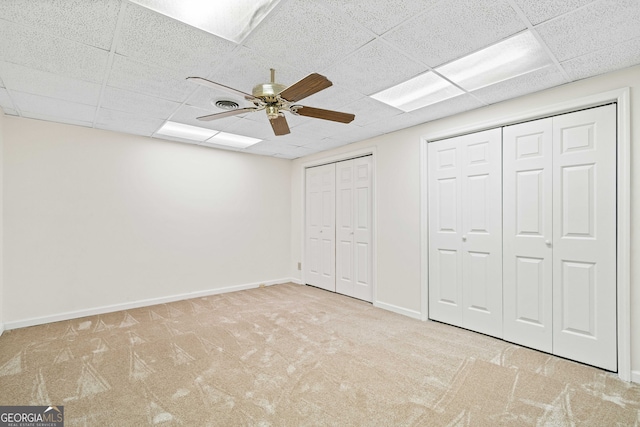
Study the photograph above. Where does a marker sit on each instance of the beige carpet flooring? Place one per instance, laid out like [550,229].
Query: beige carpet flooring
[290,355]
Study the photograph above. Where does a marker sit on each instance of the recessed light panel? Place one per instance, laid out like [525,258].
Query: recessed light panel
[232,140]
[510,58]
[418,92]
[229,19]
[180,130]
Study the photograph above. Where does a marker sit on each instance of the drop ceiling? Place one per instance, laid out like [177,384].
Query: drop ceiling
[116,65]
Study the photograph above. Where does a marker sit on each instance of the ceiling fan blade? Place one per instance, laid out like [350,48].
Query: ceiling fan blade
[227,114]
[214,85]
[319,113]
[280,125]
[308,86]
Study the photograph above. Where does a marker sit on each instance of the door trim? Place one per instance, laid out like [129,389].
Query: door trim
[369,151]
[623,265]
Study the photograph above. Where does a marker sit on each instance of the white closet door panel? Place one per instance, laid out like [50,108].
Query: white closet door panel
[363,219]
[320,227]
[353,228]
[481,196]
[527,228]
[584,241]
[445,237]
[344,228]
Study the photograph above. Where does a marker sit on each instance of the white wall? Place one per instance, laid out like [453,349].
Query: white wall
[98,219]
[398,192]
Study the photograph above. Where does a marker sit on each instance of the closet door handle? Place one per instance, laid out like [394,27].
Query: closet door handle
[464,238]
[548,243]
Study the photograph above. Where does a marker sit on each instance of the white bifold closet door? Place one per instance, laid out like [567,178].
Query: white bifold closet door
[560,235]
[353,228]
[528,233]
[465,231]
[320,231]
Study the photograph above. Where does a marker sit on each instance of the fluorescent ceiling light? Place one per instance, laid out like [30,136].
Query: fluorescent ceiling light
[230,19]
[206,136]
[179,130]
[426,89]
[232,140]
[510,58]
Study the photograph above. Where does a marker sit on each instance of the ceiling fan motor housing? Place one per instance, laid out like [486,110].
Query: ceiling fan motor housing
[268,91]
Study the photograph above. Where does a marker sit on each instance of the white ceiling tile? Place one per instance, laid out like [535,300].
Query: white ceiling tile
[542,10]
[144,105]
[381,15]
[285,156]
[126,122]
[188,115]
[41,105]
[357,133]
[9,111]
[332,98]
[36,49]
[297,151]
[527,83]
[369,110]
[446,108]
[89,22]
[246,68]
[57,119]
[327,144]
[149,79]
[620,56]
[262,148]
[276,146]
[252,128]
[455,28]
[205,98]
[597,26]
[320,128]
[5,100]
[299,136]
[157,39]
[285,36]
[31,80]
[394,123]
[373,67]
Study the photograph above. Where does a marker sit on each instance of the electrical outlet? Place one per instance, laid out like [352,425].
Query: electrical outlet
[299,266]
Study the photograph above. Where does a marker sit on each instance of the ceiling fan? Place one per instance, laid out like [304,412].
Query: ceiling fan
[276,98]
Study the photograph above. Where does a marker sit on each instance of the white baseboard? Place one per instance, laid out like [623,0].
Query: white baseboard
[635,377]
[135,304]
[400,310]
[296,281]
[1,328]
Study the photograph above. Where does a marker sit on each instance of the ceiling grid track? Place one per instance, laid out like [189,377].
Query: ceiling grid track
[112,54]
[533,31]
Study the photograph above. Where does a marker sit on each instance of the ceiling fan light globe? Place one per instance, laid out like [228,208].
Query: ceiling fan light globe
[272,112]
